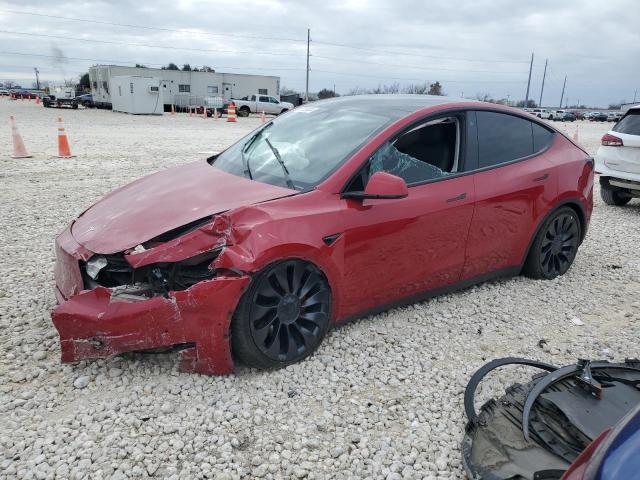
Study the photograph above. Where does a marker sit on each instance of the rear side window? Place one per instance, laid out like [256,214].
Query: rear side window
[630,123]
[542,137]
[502,138]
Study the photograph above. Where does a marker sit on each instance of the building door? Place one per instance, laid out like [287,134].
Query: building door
[227,91]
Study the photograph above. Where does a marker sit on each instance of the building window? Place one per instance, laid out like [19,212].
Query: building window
[105,85]
[263,91]
[95,85]
[212,90]
[184,88]
[131,87]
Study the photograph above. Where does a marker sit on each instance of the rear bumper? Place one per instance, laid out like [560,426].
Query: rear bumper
[95,324]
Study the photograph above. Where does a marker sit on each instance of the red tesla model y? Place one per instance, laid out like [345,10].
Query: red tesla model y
[331,211]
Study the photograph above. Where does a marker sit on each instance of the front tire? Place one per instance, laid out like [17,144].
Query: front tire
[555,245]
[283,316]
[613,197]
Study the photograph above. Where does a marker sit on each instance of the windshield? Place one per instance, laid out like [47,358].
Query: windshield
[300,149]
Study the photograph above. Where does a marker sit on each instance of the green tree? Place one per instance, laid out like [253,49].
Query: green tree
[85,83]
[435,89]
[171,66]
[326,93]
[186,67]
[139,65]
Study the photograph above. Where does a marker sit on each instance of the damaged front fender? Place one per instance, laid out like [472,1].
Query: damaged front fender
[97,324]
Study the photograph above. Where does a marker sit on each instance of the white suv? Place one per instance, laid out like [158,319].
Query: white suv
[618,160]
[541,113]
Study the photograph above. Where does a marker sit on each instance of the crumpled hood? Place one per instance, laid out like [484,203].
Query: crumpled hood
[163,201]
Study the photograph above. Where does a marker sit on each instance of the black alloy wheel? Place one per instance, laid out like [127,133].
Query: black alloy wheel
[559,245]
[555,246]
[283,316]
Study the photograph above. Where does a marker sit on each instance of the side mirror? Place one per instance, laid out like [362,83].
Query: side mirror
[381,185]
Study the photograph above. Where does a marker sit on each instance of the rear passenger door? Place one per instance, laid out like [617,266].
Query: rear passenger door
[514,186]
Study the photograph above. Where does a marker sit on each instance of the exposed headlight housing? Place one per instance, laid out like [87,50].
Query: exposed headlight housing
[95,264]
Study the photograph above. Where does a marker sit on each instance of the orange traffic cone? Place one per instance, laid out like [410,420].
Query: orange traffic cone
[263,118]
[63,144]
[575,135]
[38,100]
[204,112]
[231,112]
[215,114]
[19,150]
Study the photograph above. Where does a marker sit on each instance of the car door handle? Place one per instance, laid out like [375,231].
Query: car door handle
[542,178]
[462,196]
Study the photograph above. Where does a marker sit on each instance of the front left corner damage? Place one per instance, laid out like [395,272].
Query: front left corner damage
[97,324]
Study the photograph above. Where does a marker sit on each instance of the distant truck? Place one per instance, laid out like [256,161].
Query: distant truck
[61,95]
[261,103]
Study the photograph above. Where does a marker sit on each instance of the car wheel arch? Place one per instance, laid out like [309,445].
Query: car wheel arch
[311,254]
[576,206]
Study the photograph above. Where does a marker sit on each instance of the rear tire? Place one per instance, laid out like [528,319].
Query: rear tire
[555,245]
[244,112]
[613,197]
[283,316]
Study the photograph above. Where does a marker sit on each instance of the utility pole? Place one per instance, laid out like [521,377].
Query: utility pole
[544,75]
[634,95]
[563,85]
[526,100]
[306,94]
[37,78]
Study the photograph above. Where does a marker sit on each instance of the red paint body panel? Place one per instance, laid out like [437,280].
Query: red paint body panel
[397,248]
[510,202]
[91,325]
[381,251]
[163,201]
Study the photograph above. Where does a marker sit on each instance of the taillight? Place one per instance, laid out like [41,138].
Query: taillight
[609,140]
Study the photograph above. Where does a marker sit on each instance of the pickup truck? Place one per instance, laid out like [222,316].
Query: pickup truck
[261,103]
[60,95]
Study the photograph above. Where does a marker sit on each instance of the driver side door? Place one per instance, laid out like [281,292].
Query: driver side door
[399,248]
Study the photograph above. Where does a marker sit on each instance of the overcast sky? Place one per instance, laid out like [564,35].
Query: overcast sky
[471,47]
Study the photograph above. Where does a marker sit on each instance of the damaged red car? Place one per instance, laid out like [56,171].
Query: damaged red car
[335,210]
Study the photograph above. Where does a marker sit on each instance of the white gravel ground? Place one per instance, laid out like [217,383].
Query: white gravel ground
[381,399]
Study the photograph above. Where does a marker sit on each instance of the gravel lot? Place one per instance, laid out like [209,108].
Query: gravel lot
[381,399]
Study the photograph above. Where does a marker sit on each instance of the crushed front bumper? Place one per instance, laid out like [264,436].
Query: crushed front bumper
[97,324]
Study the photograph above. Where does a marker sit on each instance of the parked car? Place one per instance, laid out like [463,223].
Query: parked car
[582,115]
[613,455]
[261,103]
[598,117]
[618,160]
[614,116]
[86,100]
[557,115]
[337,209]
[541,113]
[4,92]
[568,117]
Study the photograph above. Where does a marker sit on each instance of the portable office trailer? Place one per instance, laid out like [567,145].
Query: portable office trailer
[182,88]
[137,95]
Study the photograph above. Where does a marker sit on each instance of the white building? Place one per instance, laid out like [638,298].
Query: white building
[137,95]
[182,88]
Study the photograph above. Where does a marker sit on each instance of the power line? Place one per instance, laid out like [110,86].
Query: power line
[388,52]
[416,79]
[41,55]
[256,37]
[413,66]
[146,27]
[165,47]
